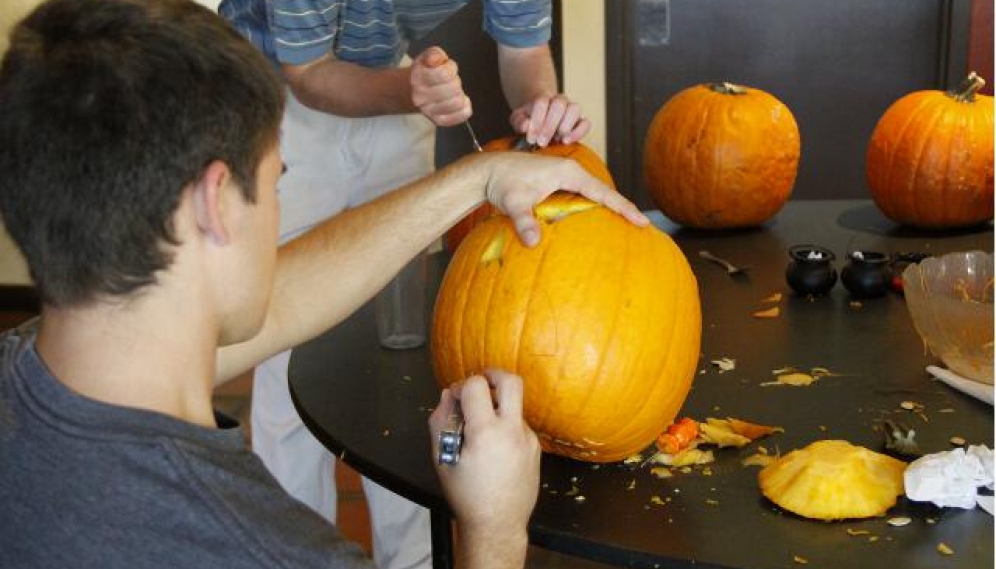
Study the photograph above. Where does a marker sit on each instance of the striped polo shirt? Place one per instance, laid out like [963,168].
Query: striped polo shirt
[373,33]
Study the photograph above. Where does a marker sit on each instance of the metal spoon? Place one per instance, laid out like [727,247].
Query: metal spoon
[731,269]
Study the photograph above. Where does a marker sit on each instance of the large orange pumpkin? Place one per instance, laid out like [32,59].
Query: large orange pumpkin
[601,319]
[720,155]
[930,158]
[576,151]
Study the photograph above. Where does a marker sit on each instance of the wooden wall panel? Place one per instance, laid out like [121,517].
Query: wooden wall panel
[980,42]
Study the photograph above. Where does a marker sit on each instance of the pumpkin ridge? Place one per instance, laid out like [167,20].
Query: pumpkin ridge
[718,153]
[444,355]
[979,152]
[892,170]
[685,176]
[526,322]
[628,432]
[701,132]
[951,183]
[674,169]
[623,432]
[662,381]
[496,282]
[690,312]
[528,309]
[475,267]
[598,373]
[487,291]
[925,141]
[564,346]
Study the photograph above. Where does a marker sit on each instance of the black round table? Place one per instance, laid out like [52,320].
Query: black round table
[370,406]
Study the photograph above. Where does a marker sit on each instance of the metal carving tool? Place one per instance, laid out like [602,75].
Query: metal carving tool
[524,145]
[451,437]
[473,137]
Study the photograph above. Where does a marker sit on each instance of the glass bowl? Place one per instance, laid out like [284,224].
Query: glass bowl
[950,299]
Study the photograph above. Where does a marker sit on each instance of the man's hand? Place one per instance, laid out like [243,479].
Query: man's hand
[517,181]
[493,488]
[548,118]
[437,90]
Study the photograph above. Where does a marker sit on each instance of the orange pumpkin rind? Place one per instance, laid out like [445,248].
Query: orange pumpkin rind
[833,480]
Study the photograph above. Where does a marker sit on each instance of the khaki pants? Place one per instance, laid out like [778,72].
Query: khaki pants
[334,163]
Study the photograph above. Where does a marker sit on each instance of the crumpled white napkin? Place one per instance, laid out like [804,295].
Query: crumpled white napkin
[951,478]
[980,391]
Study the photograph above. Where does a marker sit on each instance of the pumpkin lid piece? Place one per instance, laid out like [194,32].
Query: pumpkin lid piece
[833,480]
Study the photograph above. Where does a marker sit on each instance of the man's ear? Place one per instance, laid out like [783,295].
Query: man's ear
[208,193]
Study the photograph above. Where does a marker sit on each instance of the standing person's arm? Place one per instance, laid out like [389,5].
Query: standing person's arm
[304,34]
[431,86]
[539,110]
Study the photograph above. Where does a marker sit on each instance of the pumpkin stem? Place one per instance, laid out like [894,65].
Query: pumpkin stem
[727,88]
[965,93]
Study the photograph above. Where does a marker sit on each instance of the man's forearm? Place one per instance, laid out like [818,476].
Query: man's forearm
[326,274]
[349,90]
[504,549]
[526,74]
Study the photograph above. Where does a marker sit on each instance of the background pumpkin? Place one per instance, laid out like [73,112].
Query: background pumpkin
[720,155]
[601,319]
[576,151]
[930,158]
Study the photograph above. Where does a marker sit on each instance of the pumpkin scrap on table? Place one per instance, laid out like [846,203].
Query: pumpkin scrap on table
[678,445]
[720,155]
[734,432]
[773,312]
[678,436]
[833,480]
[605,367]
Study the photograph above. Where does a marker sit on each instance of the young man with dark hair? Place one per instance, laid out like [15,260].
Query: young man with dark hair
[139,151]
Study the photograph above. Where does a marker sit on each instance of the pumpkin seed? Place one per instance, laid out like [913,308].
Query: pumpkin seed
[898,521]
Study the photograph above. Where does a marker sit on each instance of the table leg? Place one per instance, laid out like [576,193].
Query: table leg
[442,540]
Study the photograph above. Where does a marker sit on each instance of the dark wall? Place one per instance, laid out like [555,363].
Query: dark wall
[837,65]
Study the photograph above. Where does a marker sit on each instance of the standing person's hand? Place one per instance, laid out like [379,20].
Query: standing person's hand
[437,90]
[549,118]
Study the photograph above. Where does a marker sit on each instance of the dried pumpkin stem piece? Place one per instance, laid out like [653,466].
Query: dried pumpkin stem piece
[965,92]
[728,88]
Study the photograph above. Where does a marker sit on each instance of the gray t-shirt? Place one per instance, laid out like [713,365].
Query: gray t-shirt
[87,484]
